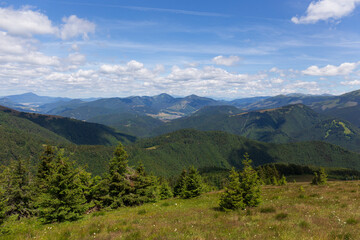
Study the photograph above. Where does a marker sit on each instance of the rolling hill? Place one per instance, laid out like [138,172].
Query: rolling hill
[168,154]
[292,123]
[77,132]
[346,106]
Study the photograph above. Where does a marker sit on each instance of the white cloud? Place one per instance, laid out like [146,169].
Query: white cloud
[326,9]
[25,22]
[331,70]
[351,83]
[226,61]
[76,58]
[74,27]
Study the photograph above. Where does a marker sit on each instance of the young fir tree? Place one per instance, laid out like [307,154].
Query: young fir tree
[232,197]
[119,177]
[250,184]
[2,206]
[44,167]
[165,191]
[143,188]
[61,197]
[282,181]
[179,186]
[193,184]
[2,200]
[320,178]
[18,192]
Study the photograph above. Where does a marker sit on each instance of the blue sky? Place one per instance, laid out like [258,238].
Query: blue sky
[222,49]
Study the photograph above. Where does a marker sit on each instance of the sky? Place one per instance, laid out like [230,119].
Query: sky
[221,49]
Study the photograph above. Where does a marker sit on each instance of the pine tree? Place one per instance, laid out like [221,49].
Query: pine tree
[179,186]
[119,177]
[193,185]
[61,197]
[18,192]
[165,191]
[232,198]
[250,184]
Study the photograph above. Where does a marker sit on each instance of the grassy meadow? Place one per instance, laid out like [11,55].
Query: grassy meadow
[295,211]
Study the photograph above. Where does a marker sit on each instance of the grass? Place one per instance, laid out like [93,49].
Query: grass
[331,212]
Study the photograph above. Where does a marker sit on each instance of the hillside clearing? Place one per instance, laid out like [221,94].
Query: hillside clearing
[287,212]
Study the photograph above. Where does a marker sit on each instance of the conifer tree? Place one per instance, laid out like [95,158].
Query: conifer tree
[44,167]
[62,197]
[232,197]
[119,177]
[320,177]
[2,204]
[179,186]
[250,184]
[282,181]
[18,192]
[193,185]
[143,188]
[165,191]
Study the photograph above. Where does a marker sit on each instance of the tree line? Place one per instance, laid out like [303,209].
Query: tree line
[60,191]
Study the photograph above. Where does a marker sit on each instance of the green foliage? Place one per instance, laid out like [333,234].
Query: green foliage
[78,132]
[320,178]
[119,177]
[2,204]
[292,123]
[165,191]
[18,192]
[61,195]
[244,189]
[250,184]
[282,181]
[232,197]
[193,185]
[178,150]
[179,186]
[143,188]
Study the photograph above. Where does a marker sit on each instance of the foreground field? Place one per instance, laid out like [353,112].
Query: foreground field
[295,211]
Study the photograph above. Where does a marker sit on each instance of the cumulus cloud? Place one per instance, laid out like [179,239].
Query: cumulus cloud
[325,10]
[351,83]
[226,61]
[331,70]
[28,22]
[25,21]
[74,27]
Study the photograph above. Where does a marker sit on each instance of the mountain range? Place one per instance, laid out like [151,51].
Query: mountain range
[91,127]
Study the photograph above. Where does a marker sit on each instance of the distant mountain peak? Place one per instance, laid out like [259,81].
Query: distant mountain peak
[163,95]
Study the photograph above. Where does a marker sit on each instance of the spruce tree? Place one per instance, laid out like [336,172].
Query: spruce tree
[143,188]
[2,204]
[320,178]
[165,191]
[232,197]
[193,185]
[61,198]
[18,192]
[250,184]
[46,159]
[282,181]
[179,186]
[119,177]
